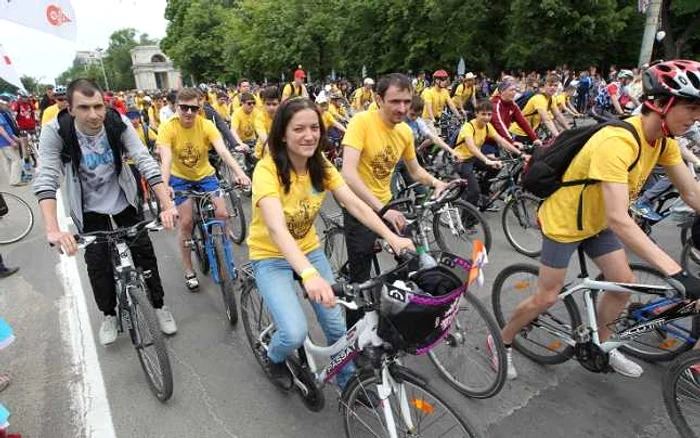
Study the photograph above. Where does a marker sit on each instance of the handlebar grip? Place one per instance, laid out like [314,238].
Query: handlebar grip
[338,289]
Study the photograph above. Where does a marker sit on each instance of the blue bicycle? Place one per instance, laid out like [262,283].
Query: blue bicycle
[211,243]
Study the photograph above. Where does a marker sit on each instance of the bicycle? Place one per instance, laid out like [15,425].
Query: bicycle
[681,393]
[649,328]
[397,401]
[16,218]
[134,310]
[238,226]
[148,199]
[463,344]
[212,246]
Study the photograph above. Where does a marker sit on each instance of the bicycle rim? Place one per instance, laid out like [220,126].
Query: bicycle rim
[429,414]
[198,236]
[255,316]
[236,222]
[463,358]
[513,285]
[519,221]
[457,225]
[150,346]
[226,281]
[17,222]
[681,392]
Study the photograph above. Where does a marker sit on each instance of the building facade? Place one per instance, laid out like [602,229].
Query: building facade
[153,70]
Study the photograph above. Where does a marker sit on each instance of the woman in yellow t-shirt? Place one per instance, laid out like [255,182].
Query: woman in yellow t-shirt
[470,139]
[289,186]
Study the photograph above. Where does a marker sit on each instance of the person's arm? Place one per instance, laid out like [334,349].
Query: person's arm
[452,106]
[544,116]
[688,188]
[524,125]
[222,150]
[422,176]
[351,159]
[504,144]
[469,143]
[474,98]
[616,200]
[338,126]
[435,139]
[235,123]
[616,103]
[689,157]
[558,116]
[166,160]
[428,105]
[498,122]
[10,138]
[224,129]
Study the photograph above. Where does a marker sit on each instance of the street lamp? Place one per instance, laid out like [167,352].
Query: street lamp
[102,64]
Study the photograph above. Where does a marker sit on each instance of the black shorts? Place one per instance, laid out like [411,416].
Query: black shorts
[558,254]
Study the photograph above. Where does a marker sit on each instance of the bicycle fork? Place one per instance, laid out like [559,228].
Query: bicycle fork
[384,390]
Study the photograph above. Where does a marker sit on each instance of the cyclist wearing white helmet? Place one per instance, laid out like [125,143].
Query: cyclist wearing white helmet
[364,96]
[50,113]
[615,96]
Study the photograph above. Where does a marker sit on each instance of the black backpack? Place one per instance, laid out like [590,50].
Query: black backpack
[544,173]
[524,98]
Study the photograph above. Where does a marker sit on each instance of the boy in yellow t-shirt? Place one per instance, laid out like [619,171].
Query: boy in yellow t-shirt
[184,142]
[437,97]
[465,94]
[595,216]
[329,122]
[243,121]
[537,110]
[222,107]
[263,120]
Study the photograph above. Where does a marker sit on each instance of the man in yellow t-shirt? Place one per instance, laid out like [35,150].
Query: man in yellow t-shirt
[437,97]
[537,110]
[373,144]
[243,88]
[594,216]
[264,118]
[52,111]
[329,122]
[243,122]
[222,107]
[184,142]
[364,97]
[336,107]
[465,94]
[296,88]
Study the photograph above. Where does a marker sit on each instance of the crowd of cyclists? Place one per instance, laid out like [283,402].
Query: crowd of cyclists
[277,138]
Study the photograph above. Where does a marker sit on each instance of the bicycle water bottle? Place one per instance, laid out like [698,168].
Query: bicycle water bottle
[425,260]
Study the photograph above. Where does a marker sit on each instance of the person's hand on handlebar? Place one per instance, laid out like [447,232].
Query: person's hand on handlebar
[439,187]
[64,241]
[537,143]
[519,145]
[494,163]
[242,179]
[400,244]
[168,217]
[396,219]
[318,290]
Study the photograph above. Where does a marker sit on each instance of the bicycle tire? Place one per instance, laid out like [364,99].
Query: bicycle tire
[524,224]
[335,250]
[254,315]
[15,227]
[427,404]
[690,260]
[153,204]
[226,281]
[676,374]
[141,307]
[239,228]
[523,342]
[669,347]
[198,236]
[476,351]
[466,213]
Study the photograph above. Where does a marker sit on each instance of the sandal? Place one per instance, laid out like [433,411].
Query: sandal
[191,281]
[4,382]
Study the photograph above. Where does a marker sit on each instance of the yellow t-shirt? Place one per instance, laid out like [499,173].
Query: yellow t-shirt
[606,157]
[244,124]
[470,129]
[289,92]
[190,147]
[337,111]
[373,106]
[300,207]
[463,94]
[380,146]
[263,125]
[437,98]
[328,120]
[49,114]
[538,101]
[224,110]
[362,99]
[153,116]
[152,136]
[560,100]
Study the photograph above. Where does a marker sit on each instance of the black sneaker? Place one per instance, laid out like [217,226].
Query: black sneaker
[277,372]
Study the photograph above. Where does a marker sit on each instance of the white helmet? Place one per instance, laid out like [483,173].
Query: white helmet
[368,81]
[321,99]
[625,74]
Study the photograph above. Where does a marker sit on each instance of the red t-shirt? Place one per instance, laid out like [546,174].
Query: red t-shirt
[24,113]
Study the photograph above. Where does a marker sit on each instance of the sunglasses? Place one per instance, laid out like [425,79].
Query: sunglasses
[188,108]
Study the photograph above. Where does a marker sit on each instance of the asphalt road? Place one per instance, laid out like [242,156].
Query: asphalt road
[66,385]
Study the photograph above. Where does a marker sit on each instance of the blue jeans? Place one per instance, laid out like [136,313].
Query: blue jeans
[275,280]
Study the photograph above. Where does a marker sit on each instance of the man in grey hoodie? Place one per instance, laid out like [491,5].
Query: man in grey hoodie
[86,144]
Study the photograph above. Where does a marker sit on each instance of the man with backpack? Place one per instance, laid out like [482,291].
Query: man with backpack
[588,177]
[536,110]
[297,87]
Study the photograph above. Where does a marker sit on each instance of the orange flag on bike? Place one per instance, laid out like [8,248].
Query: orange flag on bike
[479,259]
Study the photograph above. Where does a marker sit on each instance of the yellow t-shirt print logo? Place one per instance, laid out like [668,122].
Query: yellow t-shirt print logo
[189,156]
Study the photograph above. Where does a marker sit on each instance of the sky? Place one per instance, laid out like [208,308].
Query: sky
[45,57]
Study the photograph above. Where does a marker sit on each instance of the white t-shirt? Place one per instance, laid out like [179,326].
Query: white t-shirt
[166,113]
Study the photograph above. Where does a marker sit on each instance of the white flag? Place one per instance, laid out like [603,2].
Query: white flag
[7,70]
[55,17]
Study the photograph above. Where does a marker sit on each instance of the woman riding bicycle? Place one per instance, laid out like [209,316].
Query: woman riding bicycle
[289,186]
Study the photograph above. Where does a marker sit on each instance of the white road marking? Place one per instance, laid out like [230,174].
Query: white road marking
[89,396]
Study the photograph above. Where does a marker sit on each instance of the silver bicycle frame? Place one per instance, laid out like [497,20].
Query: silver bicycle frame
[588,285]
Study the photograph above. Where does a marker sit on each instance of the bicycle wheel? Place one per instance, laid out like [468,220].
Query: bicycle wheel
[17,222]
[236,221]
[536,340]
[664,343]
[690,259]
[152,203]
[255,316]
[149,343]
[462,357]
[520,225]
[336,251]
[430,415]
[226,281]
[457,225]
[198,236]
[681,392]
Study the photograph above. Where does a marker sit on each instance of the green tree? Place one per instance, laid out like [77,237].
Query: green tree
[91,71]
[117,59]
[680,19]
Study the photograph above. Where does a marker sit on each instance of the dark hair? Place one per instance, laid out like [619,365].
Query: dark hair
[483,105]
[246,97]
[397,80]
[417,104]
[270,93]
[241,80]
[278,146]
[186,94]
[552,78]
[86,87]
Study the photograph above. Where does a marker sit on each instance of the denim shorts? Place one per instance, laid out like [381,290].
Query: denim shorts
[206,184]
[558,254]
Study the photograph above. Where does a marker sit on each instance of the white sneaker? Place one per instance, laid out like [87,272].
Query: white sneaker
[166,321]
[108,330]
[624,366]
[512,374]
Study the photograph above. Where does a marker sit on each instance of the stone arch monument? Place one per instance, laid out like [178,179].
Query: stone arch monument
[153,70]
